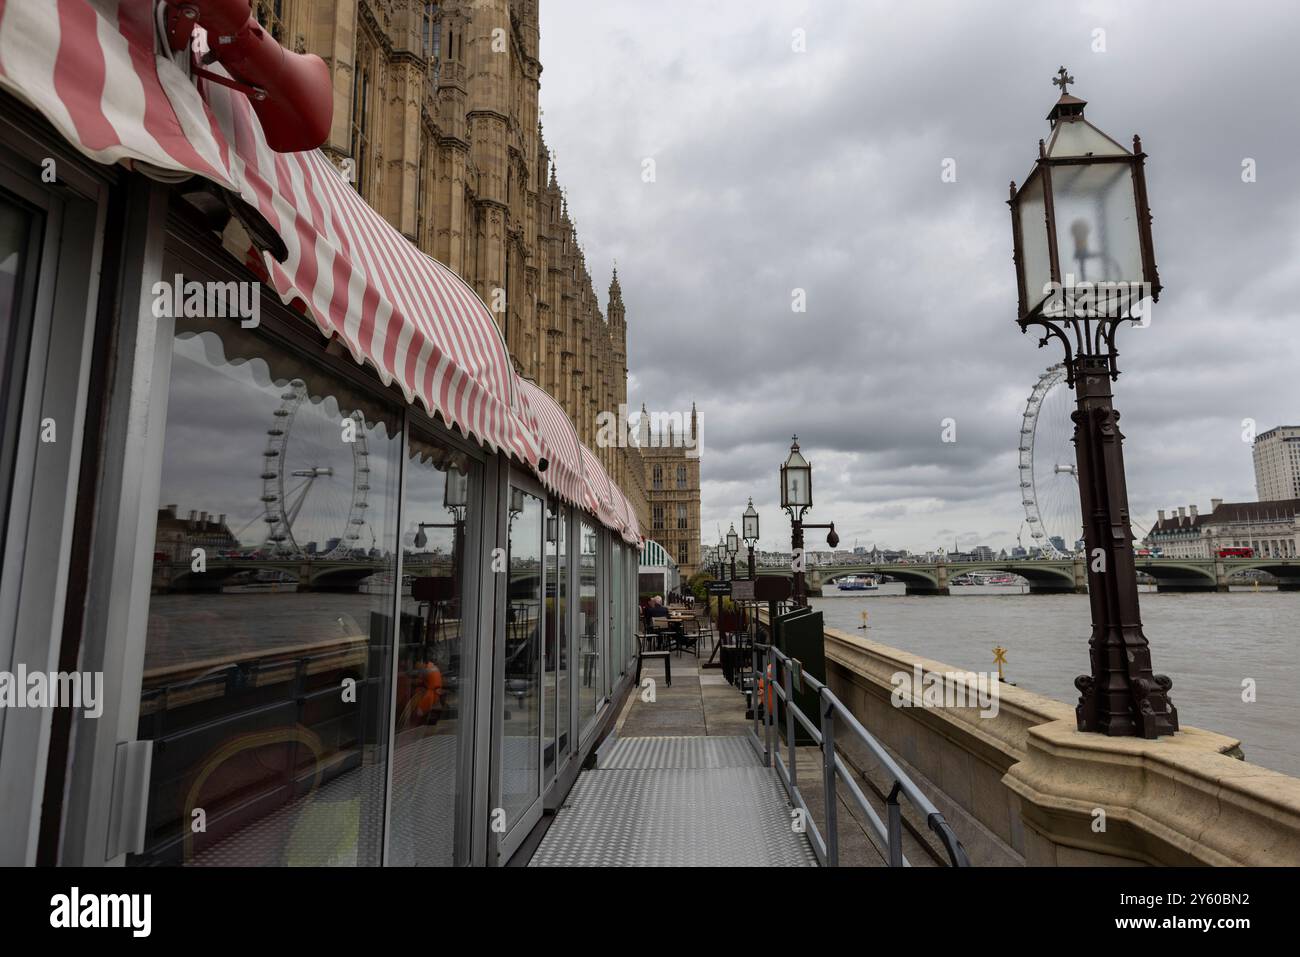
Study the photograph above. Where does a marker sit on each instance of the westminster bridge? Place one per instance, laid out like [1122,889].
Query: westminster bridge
[1049,576]
[296,573]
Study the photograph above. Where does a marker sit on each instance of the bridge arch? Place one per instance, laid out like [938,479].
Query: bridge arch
[1285,570]
[1178,576]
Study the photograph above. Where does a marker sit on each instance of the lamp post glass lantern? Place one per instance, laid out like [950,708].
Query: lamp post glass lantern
[1081,230]
[1085,263]
[733,546]
[455,493]
[749,529]
[796,482]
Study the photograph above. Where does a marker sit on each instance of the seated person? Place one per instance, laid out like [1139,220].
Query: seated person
[656,609]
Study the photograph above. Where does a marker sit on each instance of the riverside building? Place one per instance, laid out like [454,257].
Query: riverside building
[1276,454]
[1269,528]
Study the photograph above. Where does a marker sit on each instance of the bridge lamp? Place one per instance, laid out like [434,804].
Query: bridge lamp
[749,527]
[733,546]
[1085,262]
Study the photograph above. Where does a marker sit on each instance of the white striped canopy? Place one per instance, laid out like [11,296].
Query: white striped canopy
[98,71]
[654,555]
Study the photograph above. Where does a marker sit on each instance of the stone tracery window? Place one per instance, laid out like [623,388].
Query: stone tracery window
[272,16]
[362,101]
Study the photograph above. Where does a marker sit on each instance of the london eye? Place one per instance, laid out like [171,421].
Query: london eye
[1049,477]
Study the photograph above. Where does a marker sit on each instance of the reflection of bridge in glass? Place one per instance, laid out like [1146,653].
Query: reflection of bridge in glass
[1061,575]
[301,574]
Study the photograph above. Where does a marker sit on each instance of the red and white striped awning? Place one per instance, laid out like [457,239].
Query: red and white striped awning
[95,70]
[605,500]
[560,445]
[632,527]
[92,68]
[99,71]
[417,322]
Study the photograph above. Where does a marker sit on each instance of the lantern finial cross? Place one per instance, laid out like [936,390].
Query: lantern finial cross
[1063,80]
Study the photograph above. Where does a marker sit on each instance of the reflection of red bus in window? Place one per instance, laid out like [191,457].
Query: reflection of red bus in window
[1236,551]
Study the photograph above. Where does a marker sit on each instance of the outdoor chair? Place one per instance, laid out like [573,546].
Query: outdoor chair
[704,628]
[662,633]
[689,636]
[642,654]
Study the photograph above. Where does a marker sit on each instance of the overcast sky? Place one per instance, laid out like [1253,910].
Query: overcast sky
[777,170]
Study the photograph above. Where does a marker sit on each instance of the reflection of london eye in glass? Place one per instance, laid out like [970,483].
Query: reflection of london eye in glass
[315,478]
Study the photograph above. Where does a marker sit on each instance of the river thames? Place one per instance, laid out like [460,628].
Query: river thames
[1209,644]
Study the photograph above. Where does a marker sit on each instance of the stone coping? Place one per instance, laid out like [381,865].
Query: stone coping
[1181,799]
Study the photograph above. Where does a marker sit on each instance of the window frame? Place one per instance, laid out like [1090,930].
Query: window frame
[41,558]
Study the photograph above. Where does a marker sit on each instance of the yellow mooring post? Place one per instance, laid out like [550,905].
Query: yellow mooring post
[1000,658]
[864,621]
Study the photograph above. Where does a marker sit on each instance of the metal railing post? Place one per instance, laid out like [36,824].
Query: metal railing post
[895,826]
[828,778]
[788,684]
[769,697]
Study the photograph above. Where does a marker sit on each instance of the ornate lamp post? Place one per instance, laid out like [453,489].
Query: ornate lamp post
[749,530]
[1085,263]
[796,499]
[733,546]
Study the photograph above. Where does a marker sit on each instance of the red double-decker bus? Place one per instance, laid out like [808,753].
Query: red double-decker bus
[1236,551]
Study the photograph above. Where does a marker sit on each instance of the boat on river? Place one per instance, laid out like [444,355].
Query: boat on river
[856,583]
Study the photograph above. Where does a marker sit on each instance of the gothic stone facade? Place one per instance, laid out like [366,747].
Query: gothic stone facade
[436,121]
[671,456]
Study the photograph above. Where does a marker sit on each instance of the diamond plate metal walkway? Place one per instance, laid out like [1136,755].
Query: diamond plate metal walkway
[679,786]
[676,801]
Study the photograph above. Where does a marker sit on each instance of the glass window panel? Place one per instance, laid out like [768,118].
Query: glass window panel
[1035,258]
[551,650]
[266,675]
[616,657]
[1096,223]
[559,565]
[16,270]
[521,695]
[588,623]
[432,720]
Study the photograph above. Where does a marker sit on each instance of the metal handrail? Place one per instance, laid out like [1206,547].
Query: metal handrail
[777,675]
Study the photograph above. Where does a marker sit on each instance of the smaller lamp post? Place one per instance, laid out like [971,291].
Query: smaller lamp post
[796,499]
[733,546]
[749,528]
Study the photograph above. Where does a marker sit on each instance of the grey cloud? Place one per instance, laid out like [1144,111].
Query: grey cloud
[821,171]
